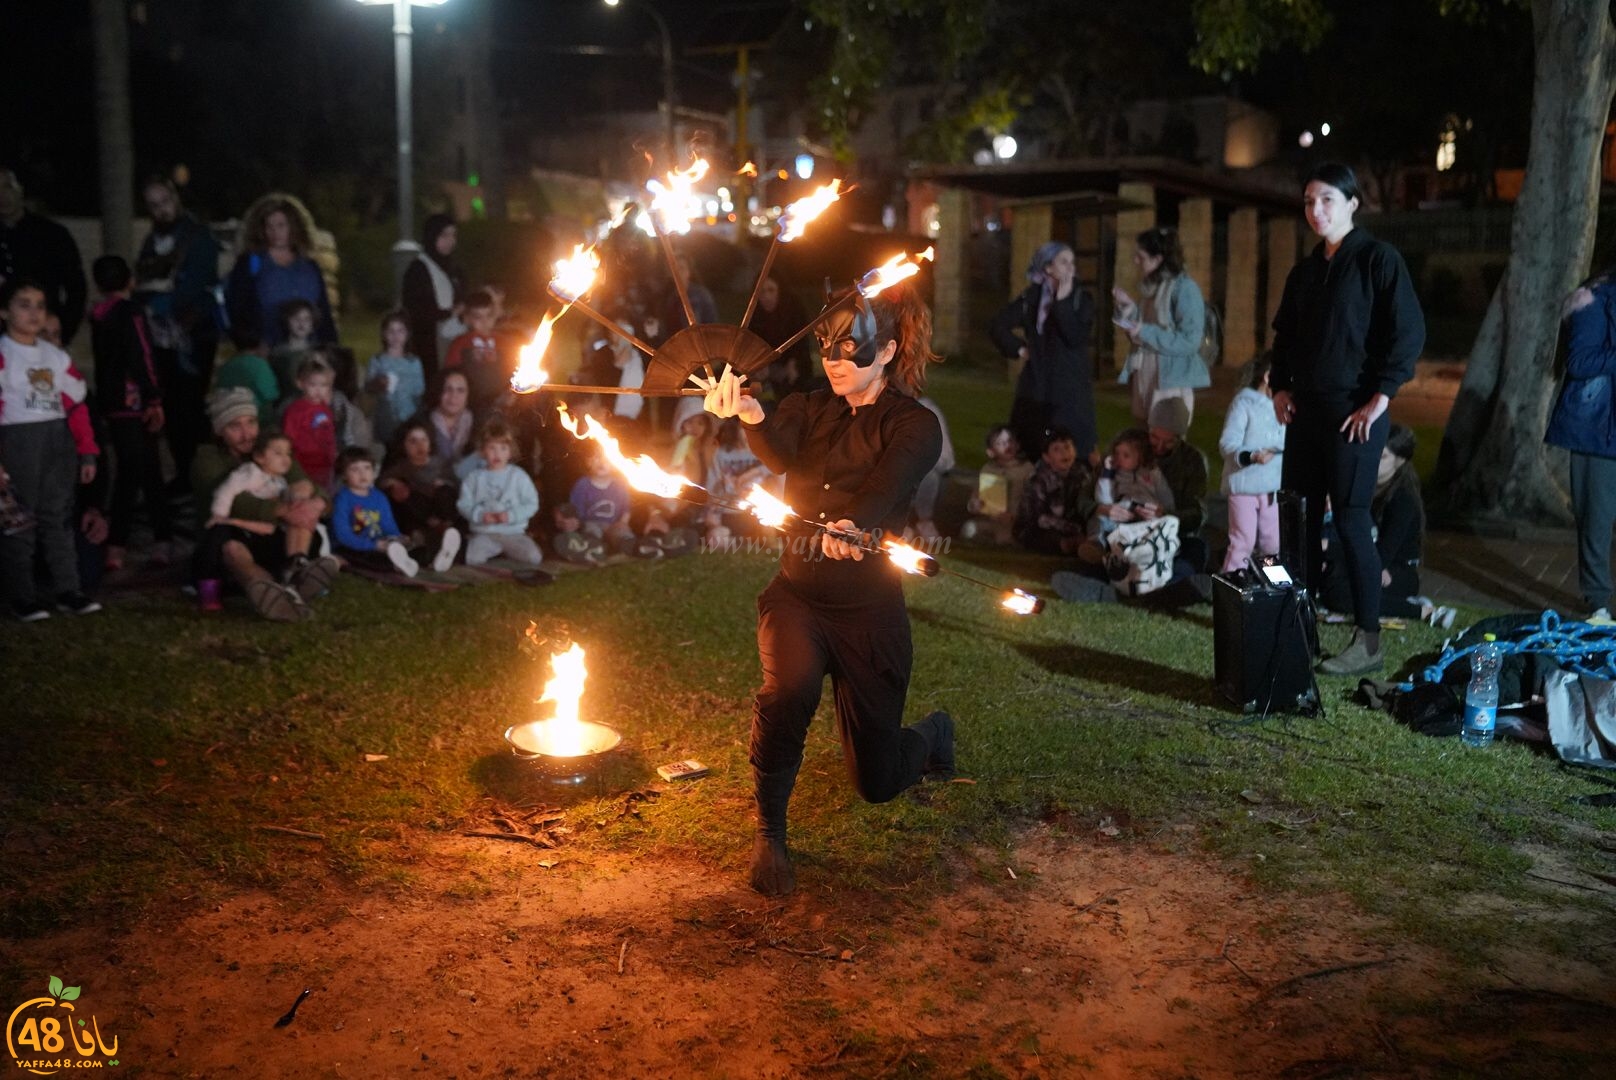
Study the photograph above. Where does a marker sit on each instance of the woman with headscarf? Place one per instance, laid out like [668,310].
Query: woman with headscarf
[275,268]
[1055,318]
[432,291]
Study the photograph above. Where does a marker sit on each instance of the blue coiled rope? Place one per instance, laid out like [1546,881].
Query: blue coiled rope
[1575,646]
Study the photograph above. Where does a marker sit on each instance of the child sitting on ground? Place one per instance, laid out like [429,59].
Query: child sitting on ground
[248,368]
[1130,487]
[422,488]
[1058,499]
[497,501]
[477,353]
[395,377]
[603,503]
[310,423]
[362,524]
[571,542]
[998,488]
[264,477]
[297,331]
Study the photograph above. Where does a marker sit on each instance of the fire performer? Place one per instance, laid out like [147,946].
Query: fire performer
[852,456]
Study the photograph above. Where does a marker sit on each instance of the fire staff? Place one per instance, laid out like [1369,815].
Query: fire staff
[852,456]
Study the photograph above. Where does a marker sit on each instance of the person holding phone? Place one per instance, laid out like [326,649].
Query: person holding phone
[1055,319]
[1346,336]
[1167,326]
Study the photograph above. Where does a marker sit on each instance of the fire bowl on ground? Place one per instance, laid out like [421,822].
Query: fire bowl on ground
[563,753]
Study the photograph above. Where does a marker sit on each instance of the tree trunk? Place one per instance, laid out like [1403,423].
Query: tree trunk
[1492,463]
[114,137]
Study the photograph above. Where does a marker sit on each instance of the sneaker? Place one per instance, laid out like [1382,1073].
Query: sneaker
[277,603]
[1355,659]
[208,591]
[648,549]
[1601,617]
[32,612]
[312,578]
[400,558]
[77,603]
[1441,617]
[448,548]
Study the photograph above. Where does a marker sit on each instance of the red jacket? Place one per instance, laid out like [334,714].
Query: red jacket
[312,427]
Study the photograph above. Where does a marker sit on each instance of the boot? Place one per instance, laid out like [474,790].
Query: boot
[938,731]
[772,872]
[1355,659]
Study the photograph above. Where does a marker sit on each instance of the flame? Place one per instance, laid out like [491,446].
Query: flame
[641,473]
[575,274]
[794,219]
[675,203]
[766,508]
[529,374]
[898,268]
[911,560]
[1022,603]
[748,169]
[566,685]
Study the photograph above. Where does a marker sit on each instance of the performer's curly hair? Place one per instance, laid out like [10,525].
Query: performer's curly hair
[901,316]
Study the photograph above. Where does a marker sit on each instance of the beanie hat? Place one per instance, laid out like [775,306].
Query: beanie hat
[1171,414]
[230,404]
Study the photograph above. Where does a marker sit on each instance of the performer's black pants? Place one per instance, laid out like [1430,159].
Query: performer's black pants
[1319,462]
[867,654]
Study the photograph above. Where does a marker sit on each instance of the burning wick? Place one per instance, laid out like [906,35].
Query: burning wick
[896,269]
[642,473]
[529,374]
[1022,603]
[911,560]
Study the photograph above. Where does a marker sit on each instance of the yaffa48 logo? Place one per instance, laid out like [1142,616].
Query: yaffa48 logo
[45,1034]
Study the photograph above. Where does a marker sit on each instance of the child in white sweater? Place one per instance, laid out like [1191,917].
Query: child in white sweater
[497,501]
[1252,444]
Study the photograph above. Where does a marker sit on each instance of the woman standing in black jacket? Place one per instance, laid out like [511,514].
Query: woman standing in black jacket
[1055,317]
[1346,337]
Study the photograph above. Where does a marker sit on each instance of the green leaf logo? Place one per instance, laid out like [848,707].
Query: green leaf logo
[70,994]
[55,987]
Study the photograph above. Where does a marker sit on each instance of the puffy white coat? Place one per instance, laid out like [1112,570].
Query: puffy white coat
[1251,425]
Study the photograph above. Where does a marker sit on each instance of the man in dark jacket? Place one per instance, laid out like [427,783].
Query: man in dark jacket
[175,274]
[33,246]
[1584,424]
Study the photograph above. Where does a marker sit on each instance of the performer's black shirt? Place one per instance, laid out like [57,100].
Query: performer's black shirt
[1348,327]
[863,464]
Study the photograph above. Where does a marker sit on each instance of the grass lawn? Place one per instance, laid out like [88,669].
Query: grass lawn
[149,747]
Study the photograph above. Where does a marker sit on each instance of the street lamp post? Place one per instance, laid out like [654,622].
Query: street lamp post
[669,91]
[405,248]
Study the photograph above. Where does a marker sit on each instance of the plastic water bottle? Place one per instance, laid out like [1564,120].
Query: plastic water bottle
[1481,697]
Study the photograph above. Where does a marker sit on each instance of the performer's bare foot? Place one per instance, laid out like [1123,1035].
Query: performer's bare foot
[772,872]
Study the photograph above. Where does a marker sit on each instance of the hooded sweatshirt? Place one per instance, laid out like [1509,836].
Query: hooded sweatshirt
[125,375]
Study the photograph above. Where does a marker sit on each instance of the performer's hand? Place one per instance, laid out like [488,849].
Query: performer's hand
[724,398]
[1357,425]
[841,549]
[1284,407]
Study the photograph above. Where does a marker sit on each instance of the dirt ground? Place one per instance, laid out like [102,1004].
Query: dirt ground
[1081,957]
